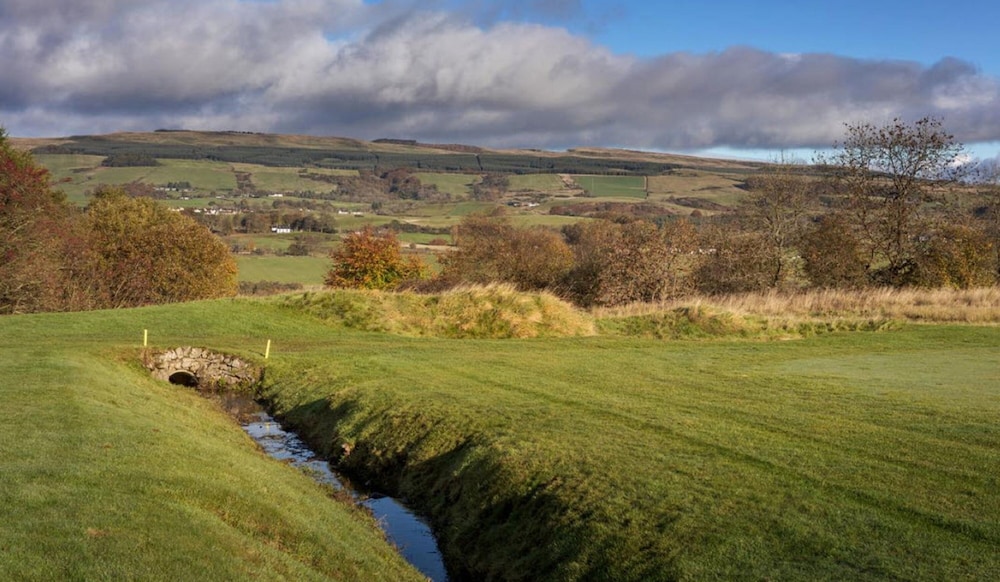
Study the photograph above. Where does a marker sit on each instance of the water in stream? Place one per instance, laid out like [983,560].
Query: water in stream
[403,528]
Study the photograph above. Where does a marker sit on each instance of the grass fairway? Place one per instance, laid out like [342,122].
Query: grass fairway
[842,456]
[857,456]
[109,475]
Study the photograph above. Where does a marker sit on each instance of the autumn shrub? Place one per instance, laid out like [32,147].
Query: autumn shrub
[33,219]
[832,255]
[956,255]
[491,250]
[141,253]
[617,263]
[737,262]
[371,260]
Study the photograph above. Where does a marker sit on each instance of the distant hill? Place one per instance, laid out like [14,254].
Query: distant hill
[383,154]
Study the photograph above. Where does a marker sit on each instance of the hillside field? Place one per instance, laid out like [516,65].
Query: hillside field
[864,455]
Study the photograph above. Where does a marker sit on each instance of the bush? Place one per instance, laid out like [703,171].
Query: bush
[491,250]
[142,253]
[369,260]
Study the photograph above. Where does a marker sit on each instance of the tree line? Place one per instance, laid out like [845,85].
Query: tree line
[888,208]
[120,251]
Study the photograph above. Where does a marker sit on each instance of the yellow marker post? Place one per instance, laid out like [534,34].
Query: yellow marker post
[145,338]
[267,350]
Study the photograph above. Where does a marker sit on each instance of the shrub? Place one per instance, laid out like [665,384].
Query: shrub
[370,260]
[141,253]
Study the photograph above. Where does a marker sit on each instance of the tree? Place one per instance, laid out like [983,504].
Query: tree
[303,245]
[491,187]
[33,220]
[832,254]
[142,253]
[737,261]
[887,173]
[777,209]
[619,263]
[370,260]
[491,250]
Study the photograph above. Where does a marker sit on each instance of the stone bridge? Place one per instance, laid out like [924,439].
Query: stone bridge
[201,369]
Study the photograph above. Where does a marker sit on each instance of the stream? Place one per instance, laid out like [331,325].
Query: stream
[402,527]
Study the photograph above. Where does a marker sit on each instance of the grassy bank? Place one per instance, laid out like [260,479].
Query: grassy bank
[841,456]
[109,475]
[612,454]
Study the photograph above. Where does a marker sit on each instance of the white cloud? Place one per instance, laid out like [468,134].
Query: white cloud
[387,69]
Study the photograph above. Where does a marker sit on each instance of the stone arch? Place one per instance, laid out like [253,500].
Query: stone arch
[201,368]
[184,378]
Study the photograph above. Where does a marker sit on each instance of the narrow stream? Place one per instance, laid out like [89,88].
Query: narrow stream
[401,526]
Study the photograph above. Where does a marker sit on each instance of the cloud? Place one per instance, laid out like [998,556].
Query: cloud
[396,68]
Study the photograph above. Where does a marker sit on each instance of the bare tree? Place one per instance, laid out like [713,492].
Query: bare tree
[777,209]
[887,173]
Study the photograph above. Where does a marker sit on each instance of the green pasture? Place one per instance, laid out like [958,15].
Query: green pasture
[846,456]
[721,189]
[284,269]
[536,183]
[612,186]
[273,242]
[448,210]
[76,174]
[553,220]
[458,185]
[277,179]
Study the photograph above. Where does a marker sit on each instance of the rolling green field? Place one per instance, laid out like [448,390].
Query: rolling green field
[536,182]
[719,188]
[458,185]
[284,269]
[79,173]
[842,456]
[613,186]
[288,179]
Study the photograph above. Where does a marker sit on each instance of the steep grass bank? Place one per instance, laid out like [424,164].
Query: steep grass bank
[110,475]
[843,456]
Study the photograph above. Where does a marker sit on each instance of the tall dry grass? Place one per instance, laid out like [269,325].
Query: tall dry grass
[974,306]
[491,311]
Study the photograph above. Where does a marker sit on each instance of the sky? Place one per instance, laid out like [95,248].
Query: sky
[728,77]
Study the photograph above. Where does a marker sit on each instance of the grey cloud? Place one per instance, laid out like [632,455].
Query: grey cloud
[386,69]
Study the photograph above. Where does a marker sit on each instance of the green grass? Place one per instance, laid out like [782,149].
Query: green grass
[552,220]
[612,186]
[285,269]
[110,475]
[536,182]
[846,456]
[86,173]
[458,185]
[843,456]
[288,179]
[719,188]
